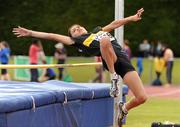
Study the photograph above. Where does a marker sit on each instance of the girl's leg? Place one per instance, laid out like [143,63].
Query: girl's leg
[133,81]
[109,56]
[169,72]
[108,53]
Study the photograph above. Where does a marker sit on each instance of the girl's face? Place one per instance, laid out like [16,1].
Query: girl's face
[77,30]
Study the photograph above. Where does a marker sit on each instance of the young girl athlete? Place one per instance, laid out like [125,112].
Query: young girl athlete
[101,43]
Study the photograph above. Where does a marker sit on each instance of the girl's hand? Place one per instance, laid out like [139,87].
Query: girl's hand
[137,16]
[21,32]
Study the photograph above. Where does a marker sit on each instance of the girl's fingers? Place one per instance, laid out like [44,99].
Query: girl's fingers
[16,33]
[15,29]
[140,10]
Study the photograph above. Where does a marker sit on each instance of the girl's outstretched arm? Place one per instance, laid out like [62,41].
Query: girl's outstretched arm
[117,23]
[23,32]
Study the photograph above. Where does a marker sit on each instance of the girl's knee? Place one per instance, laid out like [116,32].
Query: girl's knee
[105,42]
[142,99]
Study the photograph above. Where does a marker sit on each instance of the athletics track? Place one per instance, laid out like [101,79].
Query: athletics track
[172,92]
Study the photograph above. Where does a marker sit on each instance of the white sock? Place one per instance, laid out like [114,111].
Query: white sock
[124,108]
[113,75]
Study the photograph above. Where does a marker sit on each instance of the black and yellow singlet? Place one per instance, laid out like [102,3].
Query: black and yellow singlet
[89,43]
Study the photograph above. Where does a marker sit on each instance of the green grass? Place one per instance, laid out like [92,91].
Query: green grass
[154,110]
[81,74]
[84,74]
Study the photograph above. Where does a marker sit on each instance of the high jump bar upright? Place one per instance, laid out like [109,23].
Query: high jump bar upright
[119,34]
[14,66]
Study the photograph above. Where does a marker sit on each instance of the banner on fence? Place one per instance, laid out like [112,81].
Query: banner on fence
[24,74]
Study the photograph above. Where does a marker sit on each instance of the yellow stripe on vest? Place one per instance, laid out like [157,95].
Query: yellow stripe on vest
[89,40]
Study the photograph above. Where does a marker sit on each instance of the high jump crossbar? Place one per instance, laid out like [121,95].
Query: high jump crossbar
[14,66]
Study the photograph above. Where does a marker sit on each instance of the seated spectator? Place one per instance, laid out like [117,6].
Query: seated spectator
[47,74]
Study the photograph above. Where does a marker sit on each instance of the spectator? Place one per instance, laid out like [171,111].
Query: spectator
[169,60]
[159,66]
[60,56]
[4,58]
[145,48]
[33,58]
[159,48]
[127,49]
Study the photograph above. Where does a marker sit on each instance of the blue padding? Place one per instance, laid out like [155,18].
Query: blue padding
[95,90]
[78,113]
[16,96]
[20,95]
[98,113]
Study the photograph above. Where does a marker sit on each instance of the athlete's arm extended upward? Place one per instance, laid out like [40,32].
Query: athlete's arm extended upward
[23,32]
[117,23]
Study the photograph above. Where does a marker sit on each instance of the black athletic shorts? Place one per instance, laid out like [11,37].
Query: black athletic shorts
[122,65]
